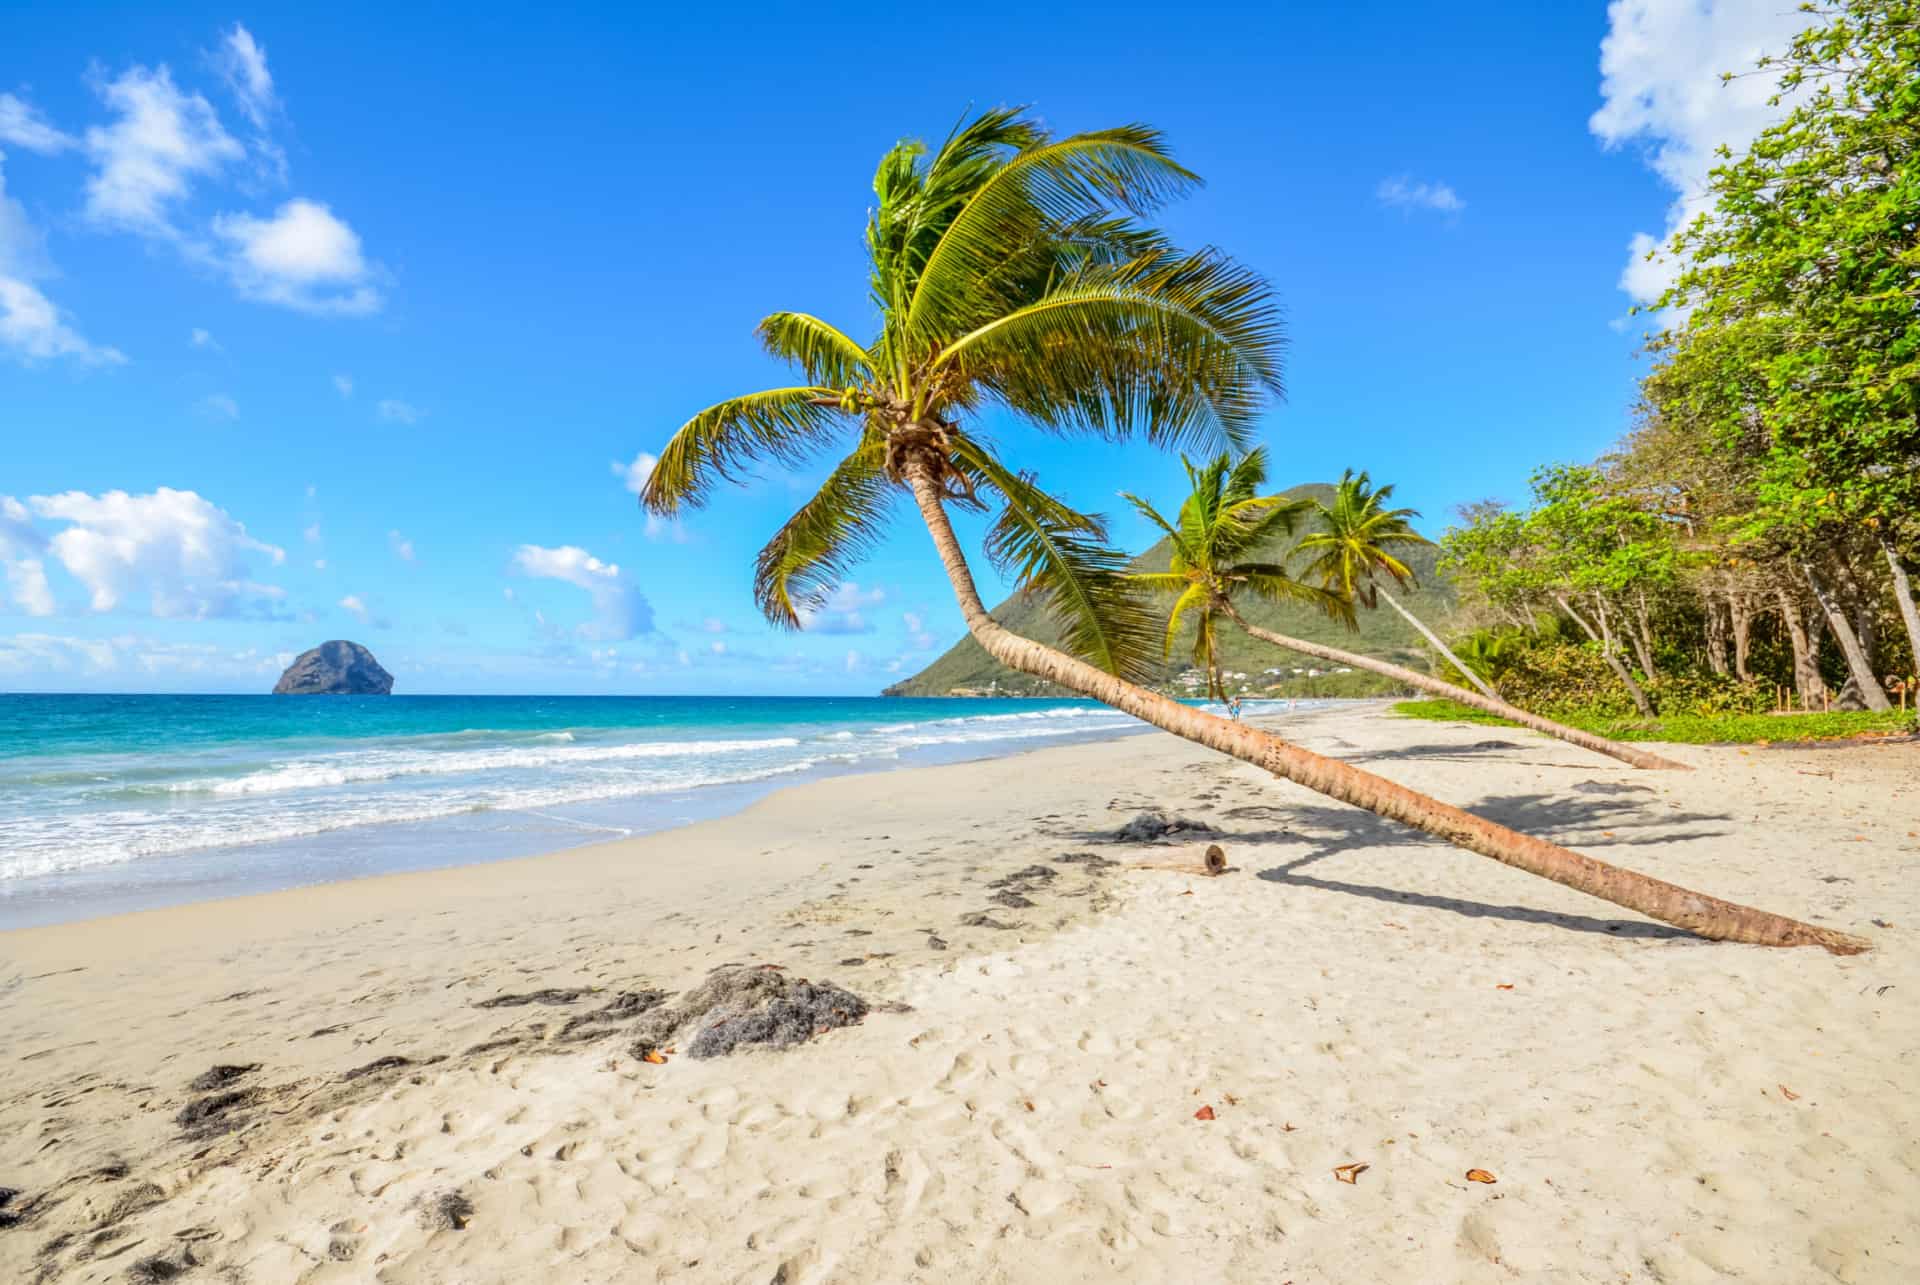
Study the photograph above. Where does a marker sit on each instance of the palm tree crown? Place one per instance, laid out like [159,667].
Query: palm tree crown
[1009,270]
[1224,519]
[1355,541]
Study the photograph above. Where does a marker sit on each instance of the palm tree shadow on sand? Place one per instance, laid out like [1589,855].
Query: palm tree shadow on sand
[1592,822]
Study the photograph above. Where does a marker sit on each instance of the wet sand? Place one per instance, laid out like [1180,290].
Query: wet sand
[411,1093]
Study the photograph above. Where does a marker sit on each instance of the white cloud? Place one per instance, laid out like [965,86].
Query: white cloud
[353,603]
[855,662]
[1660,84]
[1406,194]
[401,546]
[399,412]
[34,329]
[312,534]
[844,611]
[204,339]
[218,406]
[32,326]
[319,564]
[714,625]
[621,610]
[718,648]
[303,257]
[20,559]
[635,475]
[343,384]
[244,63]
[183,553]
[146,160]
[23,126]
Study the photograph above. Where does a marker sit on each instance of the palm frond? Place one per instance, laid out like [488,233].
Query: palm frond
[1272,582]
[1196,598]
[781,424]
[1176,349]
[810,554]
[826,355]
[1010,213]
[1151,514]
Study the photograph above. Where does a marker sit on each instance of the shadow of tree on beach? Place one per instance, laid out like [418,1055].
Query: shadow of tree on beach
[1590,822]
[1455,752]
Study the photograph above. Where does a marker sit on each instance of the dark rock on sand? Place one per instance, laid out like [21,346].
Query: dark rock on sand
[1154,825]
[1011,899]
[981,919]
[219,1076]
[218,1113]
[336,668]
[552,995]
[738,1006]
[1093,861]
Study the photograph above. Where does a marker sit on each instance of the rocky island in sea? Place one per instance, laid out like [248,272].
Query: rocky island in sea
[336,668]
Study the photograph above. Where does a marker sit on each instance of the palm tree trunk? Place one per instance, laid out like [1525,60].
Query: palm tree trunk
[1669,903]
[1856,656]
[1440,687]
[1435,642]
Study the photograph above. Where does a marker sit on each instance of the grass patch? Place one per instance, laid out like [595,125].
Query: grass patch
[1695,729]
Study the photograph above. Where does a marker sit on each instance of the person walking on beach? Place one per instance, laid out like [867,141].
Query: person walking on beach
[1233,707]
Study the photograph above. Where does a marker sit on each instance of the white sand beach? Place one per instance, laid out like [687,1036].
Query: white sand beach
[1652,1107]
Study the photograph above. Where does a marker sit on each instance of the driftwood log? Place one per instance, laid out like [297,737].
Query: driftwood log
[1213,861]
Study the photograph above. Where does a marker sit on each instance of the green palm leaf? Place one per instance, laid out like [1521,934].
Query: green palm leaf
[804,562]
[781,424]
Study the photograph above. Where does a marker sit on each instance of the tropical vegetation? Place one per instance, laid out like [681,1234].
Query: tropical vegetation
[1214,564]
[1013,271]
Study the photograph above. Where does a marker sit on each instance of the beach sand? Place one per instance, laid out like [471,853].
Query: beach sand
[1654,1107]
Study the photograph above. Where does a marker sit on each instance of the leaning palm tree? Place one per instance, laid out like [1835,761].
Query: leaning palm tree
[1353,551]
[1223,519]
[1223,523]
[1011,271]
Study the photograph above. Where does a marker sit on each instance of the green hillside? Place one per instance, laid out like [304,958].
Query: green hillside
[966,670]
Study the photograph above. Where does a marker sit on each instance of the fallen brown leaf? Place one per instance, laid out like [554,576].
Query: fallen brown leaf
[1504,986]
[1204,1113]
[1789,1094]
[1028,1105]
[1231,1100]
[654,1056]
[1350,1173]
[1480,1175]
[1286,1128]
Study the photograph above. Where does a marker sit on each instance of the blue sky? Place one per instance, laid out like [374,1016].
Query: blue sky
[347,321]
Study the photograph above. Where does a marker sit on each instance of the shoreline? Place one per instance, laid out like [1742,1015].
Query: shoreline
[465,838]
[1348,994]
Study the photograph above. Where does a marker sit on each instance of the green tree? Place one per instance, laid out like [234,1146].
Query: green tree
[1801,283]
[1011,270]
[1224,521]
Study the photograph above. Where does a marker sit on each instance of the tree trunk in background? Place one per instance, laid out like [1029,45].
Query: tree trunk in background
[1803,634]
[1643,639]
[1434,640]
[1440,687]
[1741,608]
[1716,632]
[1611,650]
[1903,594]
[1858,665]
[1669,903]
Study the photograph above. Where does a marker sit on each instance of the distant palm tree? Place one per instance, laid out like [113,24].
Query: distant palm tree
[1353,550]
[1223,521]
[1010,271]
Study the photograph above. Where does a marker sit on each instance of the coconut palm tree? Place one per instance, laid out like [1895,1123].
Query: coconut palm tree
[1011,271]
[1223,519]
[1223,522]
[1353,551]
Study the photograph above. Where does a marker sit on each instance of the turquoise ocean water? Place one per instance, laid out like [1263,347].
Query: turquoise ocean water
[112,803]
